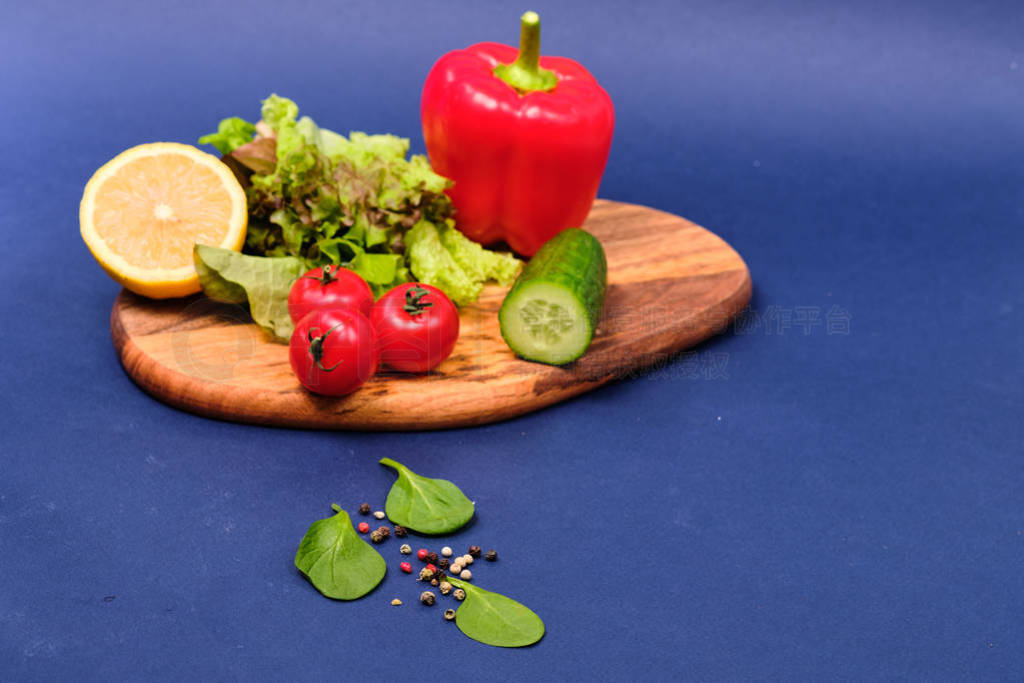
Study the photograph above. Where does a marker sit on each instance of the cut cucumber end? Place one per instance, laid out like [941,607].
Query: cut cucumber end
[542,321]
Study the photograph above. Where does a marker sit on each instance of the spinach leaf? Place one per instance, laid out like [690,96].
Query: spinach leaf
[264,282]
[430,506]
[494,619]
[336,561]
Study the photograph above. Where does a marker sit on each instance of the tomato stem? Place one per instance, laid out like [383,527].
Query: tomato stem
[414,303]
[328,276]
[316,346]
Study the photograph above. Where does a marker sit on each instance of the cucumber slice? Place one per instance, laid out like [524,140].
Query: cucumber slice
[552,310]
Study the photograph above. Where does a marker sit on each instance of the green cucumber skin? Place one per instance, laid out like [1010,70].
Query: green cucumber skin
[574,260]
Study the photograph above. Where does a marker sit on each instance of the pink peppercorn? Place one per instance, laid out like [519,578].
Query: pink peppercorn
[432,568]
[363,527]
[405,567]
[421,554]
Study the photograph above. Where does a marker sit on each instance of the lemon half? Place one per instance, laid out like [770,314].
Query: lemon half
[144,210]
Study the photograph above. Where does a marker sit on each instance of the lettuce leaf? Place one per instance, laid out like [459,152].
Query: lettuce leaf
[479,264]
[229,276]
[447,259]
[231,133]
[277,110]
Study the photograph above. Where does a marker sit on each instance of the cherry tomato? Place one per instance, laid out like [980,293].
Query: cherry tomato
[333,351]
[329,286]
[416,325]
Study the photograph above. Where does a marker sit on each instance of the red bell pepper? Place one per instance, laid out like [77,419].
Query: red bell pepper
[524,137]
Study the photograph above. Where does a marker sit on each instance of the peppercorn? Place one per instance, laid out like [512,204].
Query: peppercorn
[431,567]
[363,527]
[426,574]
[443,563]
[445,587]
[456,567]
[474,550]
[427,598]
[446,551]
[405,549]
[432,558]
[400,531]
[449,614]
[433,582]
[465,575]
[421,554]
[379,514]
[459,594]
[406,567]
[384,531]
[467,559]
[364,509]
[491,555]
[376,536]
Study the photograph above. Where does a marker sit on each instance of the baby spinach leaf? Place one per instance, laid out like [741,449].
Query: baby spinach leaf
[494,619]
[430,506]
[336,561]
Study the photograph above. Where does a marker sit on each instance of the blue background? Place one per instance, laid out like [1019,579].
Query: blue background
[844,503]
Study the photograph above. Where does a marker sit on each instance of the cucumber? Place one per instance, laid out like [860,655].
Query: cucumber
[551,312]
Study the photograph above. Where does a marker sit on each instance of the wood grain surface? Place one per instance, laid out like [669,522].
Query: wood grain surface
[671,284]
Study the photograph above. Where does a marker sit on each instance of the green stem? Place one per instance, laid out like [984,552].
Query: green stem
[525,74]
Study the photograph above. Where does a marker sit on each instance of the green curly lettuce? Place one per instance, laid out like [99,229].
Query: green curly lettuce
[322,197]
[231,134]
[447,259]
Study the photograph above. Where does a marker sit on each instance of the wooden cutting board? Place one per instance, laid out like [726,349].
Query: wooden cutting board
[671,284]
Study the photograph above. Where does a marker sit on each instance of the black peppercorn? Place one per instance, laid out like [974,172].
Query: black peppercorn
[444,563]
[427,598]
[474,551]
[384,531]
[364,509]
[491,555]
[400,531]
[432,558]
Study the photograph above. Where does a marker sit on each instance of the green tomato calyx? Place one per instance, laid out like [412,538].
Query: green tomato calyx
[316,347]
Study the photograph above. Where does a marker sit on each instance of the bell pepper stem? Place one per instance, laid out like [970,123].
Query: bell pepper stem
[525,74]
[529,42]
